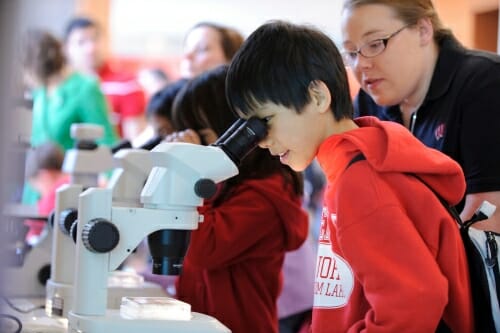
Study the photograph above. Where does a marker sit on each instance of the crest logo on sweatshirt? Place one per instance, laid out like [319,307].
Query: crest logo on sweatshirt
[334,279]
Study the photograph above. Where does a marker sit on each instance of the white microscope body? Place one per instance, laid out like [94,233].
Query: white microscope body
[26,276]
[85,164]
[182,175]
[52,247]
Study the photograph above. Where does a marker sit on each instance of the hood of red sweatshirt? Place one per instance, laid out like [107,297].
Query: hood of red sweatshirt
[390,147]
[288,206]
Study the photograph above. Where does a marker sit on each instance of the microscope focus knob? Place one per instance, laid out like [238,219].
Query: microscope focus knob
[205,188]
[100,235]
[73,231]
[51,218]
[66,219]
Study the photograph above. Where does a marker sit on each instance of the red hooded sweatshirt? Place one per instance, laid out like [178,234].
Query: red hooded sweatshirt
[390,257]
[232,270]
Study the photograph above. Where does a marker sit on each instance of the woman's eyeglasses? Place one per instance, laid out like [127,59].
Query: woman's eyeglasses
[370,49]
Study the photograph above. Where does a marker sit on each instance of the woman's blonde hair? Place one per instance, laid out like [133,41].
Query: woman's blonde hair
[409,11]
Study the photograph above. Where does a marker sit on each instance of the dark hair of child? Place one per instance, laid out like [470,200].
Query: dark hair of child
[282,71]
[161,102]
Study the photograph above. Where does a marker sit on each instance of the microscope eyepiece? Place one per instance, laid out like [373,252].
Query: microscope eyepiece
[168,247]
[241,138]
[124,144]
[153,142]
[148,145]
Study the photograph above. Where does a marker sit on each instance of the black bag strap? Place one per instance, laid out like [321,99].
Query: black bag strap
[358,157]
[492,258]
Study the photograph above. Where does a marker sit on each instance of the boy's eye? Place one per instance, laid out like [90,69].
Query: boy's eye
[267,119]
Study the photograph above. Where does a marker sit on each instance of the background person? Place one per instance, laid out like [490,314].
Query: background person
[159,113]
[152,80]
[61,97]
[85,54]
[44,173]
[208,45]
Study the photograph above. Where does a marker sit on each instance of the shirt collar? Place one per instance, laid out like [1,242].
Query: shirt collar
[447,65]
[446,68]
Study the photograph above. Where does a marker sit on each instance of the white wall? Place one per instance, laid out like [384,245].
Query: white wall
[152,28]
[51,15]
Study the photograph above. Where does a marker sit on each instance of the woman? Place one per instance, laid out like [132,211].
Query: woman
[233,266]
[61,97]
[208,45]
[413,71]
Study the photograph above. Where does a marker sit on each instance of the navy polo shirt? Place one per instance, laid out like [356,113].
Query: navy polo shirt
[460,115]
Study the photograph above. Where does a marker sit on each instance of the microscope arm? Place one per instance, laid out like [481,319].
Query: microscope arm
[130,218]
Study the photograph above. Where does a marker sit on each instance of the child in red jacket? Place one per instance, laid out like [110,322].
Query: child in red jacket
[232,269]
[390,257]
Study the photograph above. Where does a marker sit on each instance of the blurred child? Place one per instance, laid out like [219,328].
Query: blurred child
[44,173]
[152,80]
[159,113]
[84,49]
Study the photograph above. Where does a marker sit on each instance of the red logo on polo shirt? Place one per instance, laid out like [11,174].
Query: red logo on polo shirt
[439,132]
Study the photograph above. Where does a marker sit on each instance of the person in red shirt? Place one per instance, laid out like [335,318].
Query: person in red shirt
[44,173]
[125,96]
[233,267]
[390,256]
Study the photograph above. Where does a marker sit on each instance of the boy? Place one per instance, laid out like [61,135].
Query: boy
[390,257]
[85,53]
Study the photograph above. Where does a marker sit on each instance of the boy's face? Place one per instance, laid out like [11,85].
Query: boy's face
[293,137]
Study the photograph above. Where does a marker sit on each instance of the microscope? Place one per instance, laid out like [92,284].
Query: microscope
[28,265]
[182,175]
[85,163]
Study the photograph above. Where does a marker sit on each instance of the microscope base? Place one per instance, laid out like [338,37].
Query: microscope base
[113,322]
[60,296]
[146,289]
[36,320]
[29,279]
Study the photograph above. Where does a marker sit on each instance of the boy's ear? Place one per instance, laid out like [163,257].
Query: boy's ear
[320,95]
